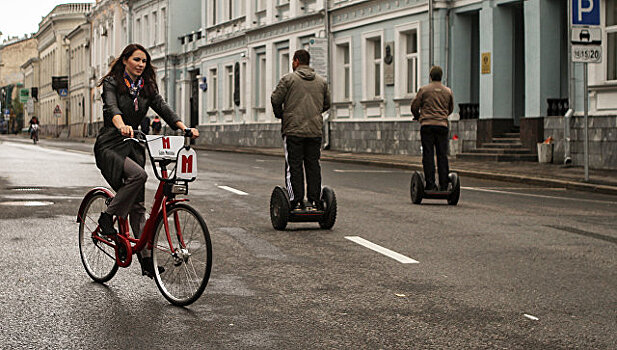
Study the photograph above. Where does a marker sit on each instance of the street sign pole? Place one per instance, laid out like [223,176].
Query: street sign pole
[586,122]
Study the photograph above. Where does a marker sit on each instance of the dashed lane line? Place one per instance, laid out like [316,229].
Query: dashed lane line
[233,190]
[379,249]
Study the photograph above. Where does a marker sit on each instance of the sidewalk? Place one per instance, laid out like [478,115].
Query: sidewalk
[551,175]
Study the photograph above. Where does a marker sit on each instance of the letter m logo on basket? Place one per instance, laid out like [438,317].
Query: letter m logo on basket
[187,165]
[165,142]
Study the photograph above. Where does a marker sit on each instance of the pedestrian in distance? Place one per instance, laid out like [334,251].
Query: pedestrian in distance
[156,125]
[129,90]
[299,100]
[432,106]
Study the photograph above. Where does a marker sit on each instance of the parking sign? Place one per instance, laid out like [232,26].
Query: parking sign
[586,12]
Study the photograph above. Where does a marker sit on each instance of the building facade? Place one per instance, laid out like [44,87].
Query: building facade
[30,70]
[80,80]
[110,33]
[13,53]
[54,56]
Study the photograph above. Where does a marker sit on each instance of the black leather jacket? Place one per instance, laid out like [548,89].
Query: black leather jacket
[109,149]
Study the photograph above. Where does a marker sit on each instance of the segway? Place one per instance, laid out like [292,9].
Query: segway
[281,212]
[452,194]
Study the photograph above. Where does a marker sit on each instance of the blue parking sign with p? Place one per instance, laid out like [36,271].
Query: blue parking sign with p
[586,12]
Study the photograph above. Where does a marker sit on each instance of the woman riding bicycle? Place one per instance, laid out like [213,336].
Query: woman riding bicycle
[129,90]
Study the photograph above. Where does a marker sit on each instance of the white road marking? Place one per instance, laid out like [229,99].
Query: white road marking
[367,171]
[38,196]
[531,317]
[233,190]
[27,204]
[536,195]
[379,249]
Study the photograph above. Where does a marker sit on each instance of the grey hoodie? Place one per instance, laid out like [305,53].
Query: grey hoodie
[299,99]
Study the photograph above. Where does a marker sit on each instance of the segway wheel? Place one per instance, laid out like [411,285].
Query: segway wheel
[456,189]
[416,188]
[329,202]
[279,208]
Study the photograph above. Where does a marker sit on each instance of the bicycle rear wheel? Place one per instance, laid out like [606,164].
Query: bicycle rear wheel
[99,259]
[182,274]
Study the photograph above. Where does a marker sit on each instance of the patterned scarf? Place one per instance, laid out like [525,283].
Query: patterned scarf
[134,88]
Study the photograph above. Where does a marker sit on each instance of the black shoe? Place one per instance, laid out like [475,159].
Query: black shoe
[147,267]
[298,206]
[443,188]
[430,187]
[106,224]
[316,205]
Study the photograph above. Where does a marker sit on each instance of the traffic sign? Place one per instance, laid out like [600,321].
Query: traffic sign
[586,12]
[63,92]
[586,54]
[57,111]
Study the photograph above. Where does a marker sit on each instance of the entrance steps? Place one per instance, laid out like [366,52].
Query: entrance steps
[504,148]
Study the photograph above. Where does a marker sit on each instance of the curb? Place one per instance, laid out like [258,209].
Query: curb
[530,180]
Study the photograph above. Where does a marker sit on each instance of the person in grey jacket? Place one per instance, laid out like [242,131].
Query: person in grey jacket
[299,100]
[129,91]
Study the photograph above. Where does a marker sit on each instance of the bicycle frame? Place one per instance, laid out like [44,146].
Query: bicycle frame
[162,200]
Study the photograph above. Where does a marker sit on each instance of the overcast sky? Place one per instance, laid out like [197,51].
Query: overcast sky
[19,17]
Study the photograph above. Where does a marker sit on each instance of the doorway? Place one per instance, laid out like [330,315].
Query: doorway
[194,99]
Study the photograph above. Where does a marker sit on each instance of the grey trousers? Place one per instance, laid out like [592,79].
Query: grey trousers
[124,202]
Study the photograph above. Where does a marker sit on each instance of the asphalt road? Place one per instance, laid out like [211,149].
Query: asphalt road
[512,266]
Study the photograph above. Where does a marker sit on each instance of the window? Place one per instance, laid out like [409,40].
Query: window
[213,10]
[283,63]
[373,68]
[611,39]
[342,83]
[138,30]
[229,87]
[155,31]
[242,86]
[260,76]
[212,88]
[229,10]
[146,33]
[261,5]
[410,66]
[163,24]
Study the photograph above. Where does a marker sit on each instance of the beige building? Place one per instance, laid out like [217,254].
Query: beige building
[80,80]
[54,49]
[30,71]
[13,53]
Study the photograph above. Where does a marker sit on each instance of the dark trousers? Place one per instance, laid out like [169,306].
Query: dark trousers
[435,138]
[129,198]
[302,157]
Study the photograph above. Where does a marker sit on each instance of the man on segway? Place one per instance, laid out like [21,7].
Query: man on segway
[299,100]
[432,106]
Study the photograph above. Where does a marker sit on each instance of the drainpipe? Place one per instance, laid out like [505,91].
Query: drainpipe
[326,144]
[567,160]
[167,50]
[431,32]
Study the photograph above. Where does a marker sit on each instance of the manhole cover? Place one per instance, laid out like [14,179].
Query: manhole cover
[26,203]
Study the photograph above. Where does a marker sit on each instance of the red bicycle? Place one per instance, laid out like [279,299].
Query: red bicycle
[175,232]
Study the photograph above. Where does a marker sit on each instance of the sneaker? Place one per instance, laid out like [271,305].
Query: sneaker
[316,205]
[147,267]
[106,223]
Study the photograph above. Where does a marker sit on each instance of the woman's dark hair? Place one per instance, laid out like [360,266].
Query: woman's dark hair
[117,68]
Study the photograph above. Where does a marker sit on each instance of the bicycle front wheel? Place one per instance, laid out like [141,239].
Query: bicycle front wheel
[182,273]
[98,258]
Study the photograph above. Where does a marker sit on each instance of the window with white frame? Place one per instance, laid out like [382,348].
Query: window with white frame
[260,79]
[342,83]
[213,9]
[409,65]
[138,30]
[242,86]
[229,87]
[155,25]
[283,63]
[373,68]
[163,23]
[261,5]
[146,34]
[212,88]
[611,39]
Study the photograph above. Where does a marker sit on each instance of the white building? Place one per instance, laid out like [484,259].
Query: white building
[80,80]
